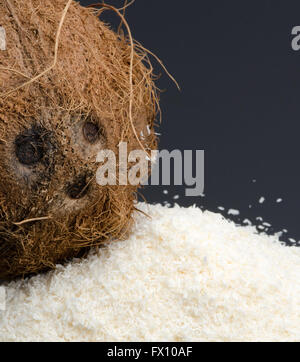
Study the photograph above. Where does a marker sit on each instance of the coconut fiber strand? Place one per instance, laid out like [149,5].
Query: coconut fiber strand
[69,87]
[182,275]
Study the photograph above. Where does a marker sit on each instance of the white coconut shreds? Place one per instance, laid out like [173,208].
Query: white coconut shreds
[183,275]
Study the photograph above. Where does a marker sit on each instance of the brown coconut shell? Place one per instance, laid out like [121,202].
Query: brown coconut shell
[62,99]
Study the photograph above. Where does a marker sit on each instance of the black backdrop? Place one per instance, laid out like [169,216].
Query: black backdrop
[239,102]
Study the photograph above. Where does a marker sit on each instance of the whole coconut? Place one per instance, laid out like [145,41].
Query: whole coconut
[68,89]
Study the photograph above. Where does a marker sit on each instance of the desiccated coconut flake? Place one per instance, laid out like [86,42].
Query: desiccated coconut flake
[182,275]
[233,212]
[267,224]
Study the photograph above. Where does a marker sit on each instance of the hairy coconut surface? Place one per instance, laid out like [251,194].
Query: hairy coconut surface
[97,91]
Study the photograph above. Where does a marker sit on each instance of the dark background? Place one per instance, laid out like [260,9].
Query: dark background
[239,102]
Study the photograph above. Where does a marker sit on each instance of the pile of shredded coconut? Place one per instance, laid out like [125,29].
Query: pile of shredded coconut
[183,275]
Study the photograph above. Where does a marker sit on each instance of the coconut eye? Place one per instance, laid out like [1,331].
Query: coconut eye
[78,189]
[91,132]
[29,150]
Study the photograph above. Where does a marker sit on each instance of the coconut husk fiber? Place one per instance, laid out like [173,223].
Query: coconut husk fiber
[69,87]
